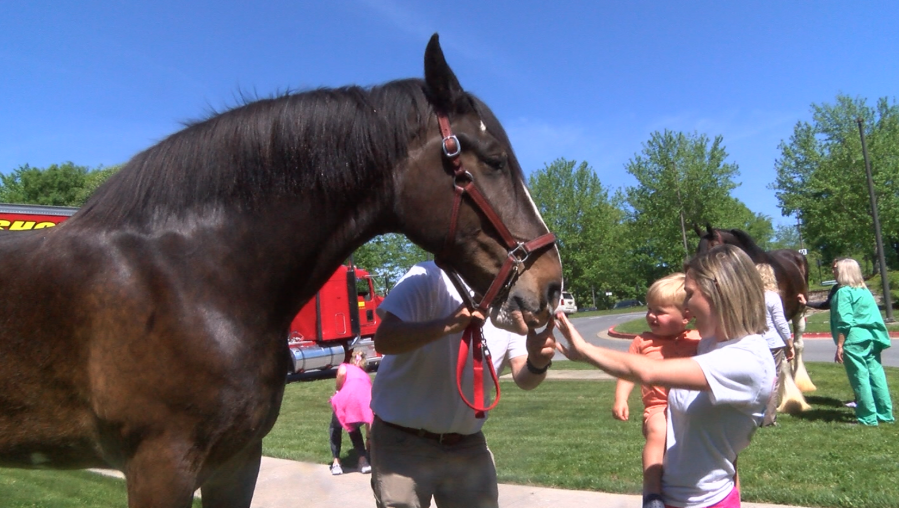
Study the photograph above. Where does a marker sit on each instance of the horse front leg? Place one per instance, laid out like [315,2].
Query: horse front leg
[159,475]
[800,375]
[232,485]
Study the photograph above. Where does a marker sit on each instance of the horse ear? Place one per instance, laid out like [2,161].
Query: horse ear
[697,230]
[442,84]
[708,228]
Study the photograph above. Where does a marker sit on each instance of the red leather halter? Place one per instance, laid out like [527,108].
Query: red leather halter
[518,252]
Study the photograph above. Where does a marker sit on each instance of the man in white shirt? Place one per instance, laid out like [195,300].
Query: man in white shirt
[426,442]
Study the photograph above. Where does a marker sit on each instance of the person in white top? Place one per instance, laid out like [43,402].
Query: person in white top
[778,336]
[426,442]
[718,397]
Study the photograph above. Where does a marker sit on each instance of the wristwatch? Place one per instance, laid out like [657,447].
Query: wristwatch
[535,370]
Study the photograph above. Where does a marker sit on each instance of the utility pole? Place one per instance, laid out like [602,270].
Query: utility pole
[680,205]
[887,300]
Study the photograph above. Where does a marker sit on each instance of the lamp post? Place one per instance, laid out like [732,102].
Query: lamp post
[887,300]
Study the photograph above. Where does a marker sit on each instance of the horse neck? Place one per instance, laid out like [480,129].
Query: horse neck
[300,246]
[756,254]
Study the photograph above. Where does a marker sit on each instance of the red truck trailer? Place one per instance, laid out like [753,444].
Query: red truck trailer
[342,316]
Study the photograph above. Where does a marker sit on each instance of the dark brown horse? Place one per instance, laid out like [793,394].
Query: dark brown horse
[147,333]
[791,271]
[790,267]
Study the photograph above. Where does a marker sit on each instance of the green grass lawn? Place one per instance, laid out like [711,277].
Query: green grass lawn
[563,435]
[20,488]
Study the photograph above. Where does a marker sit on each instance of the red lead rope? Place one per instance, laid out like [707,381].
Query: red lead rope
[473,338]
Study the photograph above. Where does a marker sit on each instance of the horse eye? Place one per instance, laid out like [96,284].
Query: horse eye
[497,163]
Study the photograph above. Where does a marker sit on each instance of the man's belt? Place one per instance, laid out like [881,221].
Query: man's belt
[449,438]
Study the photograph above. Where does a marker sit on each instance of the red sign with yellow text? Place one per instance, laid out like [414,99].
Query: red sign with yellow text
[29,217]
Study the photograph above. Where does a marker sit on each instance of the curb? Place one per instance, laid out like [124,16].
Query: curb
[620,335]
[810,335]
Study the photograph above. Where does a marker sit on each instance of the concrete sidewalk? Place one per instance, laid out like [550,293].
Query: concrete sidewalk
[285,483]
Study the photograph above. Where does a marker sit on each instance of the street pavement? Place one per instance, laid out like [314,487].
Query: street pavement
[819,347]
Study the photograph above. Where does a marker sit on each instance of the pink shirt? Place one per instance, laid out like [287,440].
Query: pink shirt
[352,404]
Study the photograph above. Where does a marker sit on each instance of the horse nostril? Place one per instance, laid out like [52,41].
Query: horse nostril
[553,295]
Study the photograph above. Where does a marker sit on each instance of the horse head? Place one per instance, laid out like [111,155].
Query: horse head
[709,239]
[481,216]
[737,237]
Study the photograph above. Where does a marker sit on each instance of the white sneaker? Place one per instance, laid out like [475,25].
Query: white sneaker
[336,469]
[365,469]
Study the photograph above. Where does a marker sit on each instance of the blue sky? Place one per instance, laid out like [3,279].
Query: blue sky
[95,82]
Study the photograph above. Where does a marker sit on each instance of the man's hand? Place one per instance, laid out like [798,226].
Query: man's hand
[459,320]
[541,346]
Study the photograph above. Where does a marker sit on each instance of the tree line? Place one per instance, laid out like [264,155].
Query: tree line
[615,242]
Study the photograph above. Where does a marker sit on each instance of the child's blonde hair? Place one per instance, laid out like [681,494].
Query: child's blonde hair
[766,272]
[669,290]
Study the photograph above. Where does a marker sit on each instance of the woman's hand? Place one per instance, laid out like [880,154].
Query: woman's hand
[801,298]
[790,352]
[838,357]
[574,350]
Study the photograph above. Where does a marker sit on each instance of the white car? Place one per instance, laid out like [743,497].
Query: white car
[567,304]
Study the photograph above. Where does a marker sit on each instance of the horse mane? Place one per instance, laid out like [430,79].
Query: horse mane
[749,245]
[336,142]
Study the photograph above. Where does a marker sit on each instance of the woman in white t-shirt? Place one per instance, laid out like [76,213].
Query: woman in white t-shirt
[718,397]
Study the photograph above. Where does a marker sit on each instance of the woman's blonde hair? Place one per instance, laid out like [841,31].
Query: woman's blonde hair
[766,272]
[729,280]
[849,273]
[669,290]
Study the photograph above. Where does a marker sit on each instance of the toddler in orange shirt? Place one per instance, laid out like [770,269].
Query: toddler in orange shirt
[669,338]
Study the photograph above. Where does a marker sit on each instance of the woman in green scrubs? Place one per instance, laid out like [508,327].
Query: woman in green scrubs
[860,335]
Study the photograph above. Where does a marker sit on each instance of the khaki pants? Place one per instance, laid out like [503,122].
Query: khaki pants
[407,471]
[771,411]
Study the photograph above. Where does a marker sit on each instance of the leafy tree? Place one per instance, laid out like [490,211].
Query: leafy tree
[683,179]
[821,176]
[57,185]
[588,226]
[787,237]
[93,180]
[387,258]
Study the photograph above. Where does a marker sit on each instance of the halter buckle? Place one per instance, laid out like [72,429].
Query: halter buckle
[463,177]
[519,254]
[455,153]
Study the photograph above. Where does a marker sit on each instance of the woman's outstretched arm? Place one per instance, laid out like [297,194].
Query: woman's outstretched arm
[674,373]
